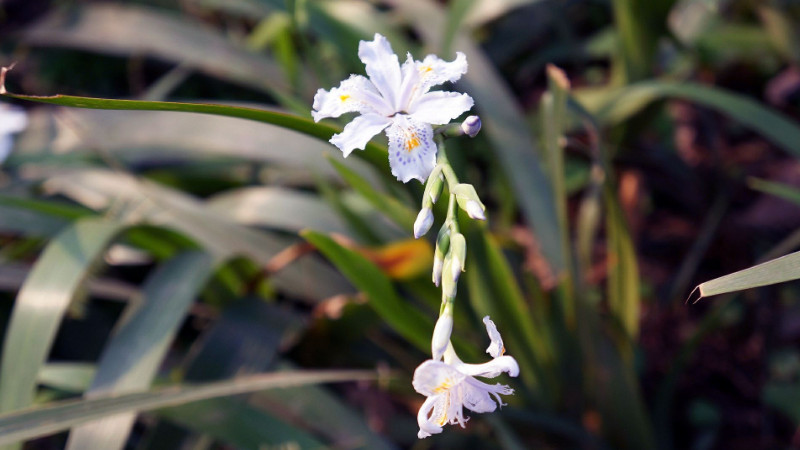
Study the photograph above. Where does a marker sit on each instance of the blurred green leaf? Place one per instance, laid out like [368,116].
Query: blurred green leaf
[135,30]
[401,316]
[197,138]
[237,423]
[68,376]
[494,291]
[623,271]
[398,212]
[219,235]
[278,208]
[54,282]
[625,102]
[60,416]
[133,354]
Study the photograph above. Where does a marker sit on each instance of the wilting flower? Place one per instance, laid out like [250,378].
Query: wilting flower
[12,120]
[451,386]
[397,99]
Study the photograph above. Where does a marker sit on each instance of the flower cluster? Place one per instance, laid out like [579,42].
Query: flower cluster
[398,99]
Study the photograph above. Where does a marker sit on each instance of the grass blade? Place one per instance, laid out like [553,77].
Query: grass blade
[54,282]
[133,355]
[785,268]
[774,126]
[60,416]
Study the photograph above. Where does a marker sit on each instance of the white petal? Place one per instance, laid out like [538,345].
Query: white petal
[496,348]
[355,94]
[359,131]
[435,377]
[434,71]
[492,368]
[429,417]
[412,152]
[12,119]
[440,107]
[410,87]
[382,66]
[441,335]
[478,395]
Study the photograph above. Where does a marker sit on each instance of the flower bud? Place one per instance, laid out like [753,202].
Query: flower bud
[458,252]
[442,331]
[433,187]
[442,247]
[449,283]
[438,264]
[471,126]
[469,201]
[423,222]
[474,210]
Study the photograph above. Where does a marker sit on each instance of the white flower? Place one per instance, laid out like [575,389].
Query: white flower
[12,120]
[397,99]
[451,386]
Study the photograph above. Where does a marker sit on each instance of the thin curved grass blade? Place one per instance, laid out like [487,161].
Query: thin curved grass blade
[18,426]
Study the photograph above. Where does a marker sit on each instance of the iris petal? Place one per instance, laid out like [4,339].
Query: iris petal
[439,107]
[359,131]
[412,152]
[382,66]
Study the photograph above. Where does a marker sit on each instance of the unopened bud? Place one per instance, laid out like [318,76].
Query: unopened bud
[433,187]
[469,201]
[474,210]
[423,222]
[438,264]
[442,247]
[449,283]
[458,252]
[471,126]
[442,331]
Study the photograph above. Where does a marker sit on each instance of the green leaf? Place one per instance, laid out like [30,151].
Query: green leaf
[400,315]
[239,424]
[72,377]
[53,283]
[159,34]
[623,271]
[778,270]
[373,152]
[134,353]
[217,234]
[398,212]
[279,208]
[774,126]
[494,291]
[18,426]
[199,139]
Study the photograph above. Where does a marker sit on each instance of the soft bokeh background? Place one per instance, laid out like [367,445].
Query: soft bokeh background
[147,248]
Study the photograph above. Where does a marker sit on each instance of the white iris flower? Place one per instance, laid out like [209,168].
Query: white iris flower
[450,385]
[397,99]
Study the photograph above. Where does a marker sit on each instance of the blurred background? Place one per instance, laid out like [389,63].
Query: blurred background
[149,248]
